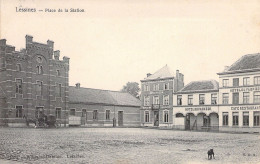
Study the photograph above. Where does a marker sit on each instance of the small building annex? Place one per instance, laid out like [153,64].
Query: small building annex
[96,107]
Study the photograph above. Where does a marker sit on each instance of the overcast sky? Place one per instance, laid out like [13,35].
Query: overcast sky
[118,41]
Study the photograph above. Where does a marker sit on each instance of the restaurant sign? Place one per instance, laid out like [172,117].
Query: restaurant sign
[198,109]
[254,107]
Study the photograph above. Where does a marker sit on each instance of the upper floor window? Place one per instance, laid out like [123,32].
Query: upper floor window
[225,82]
[166,86]
[235,82]
[107,114]
[18,67]
[235,98]
[202,99]
[95,115]
[58,113]
[179,99]
[214,98]
[257,80]
[19,88]
[156,87]
[39,88]
[39,70]
[245,97]
[156,100]
[225,98]
[166,100]
[146,100]
[257,97]
[72,112]
[190,99]
[246,81]
[58,72]
[146,88]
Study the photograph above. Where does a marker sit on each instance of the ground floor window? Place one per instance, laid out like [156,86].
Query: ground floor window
[235,118]
[225,118]
[147,115]
[245,118]
[256,118]
[107,114]
[19,111]
[58,113]
[72,112]
[166,116]
[95,115]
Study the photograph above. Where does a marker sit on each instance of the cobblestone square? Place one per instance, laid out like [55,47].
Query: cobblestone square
[124,145]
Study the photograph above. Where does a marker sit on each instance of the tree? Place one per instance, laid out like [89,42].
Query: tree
[132,88]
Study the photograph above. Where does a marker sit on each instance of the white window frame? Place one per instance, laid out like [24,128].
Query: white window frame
[164,118]
[145,116]
[165,97]
[155,101]
[146,103]
[246,81]
[225,82]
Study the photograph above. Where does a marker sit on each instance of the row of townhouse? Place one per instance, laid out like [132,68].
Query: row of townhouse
[232,104]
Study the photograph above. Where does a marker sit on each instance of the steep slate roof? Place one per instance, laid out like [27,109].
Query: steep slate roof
[250,61]
[98,96]
[206,85]
[164,72]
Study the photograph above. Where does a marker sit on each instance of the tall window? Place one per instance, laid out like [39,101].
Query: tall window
[156,100]
[235,118]
[257,80]
[166,86]
[39,88]
[225,82]
[18,67]
[147,115]
[256,118]
[58,113]
[166,100]
[58,90]
[179,99]
[190,99]
[58,72]
[246,81]
[72,112]
[146,100]
[214,98]
[257,97]
[202,99]
[225,98]
[39,70]
[235,98]
[156,87]
[245,118]
[107,114]
[225,118]
[166,116]
[146,87]
[19,111]
[95,115]
[19,86]
[245,97]
[235,82]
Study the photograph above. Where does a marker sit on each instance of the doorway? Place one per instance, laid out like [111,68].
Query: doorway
[156,118]
[120,118]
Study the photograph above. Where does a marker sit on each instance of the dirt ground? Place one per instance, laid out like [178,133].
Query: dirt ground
[124,145]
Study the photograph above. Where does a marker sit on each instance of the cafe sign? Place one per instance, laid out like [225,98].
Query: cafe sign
[245,89]
[255,107]
[197,109]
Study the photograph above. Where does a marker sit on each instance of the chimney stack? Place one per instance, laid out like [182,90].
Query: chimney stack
[148,74]
[29,39]
[77,85]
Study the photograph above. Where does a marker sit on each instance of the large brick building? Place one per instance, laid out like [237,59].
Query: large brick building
[156,97]
[34,82]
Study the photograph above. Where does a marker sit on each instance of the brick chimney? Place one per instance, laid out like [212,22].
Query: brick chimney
[148,74]
[77,85]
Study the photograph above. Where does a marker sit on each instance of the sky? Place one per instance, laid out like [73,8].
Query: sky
[119,41]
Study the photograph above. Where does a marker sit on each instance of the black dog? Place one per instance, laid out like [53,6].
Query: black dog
[210,154]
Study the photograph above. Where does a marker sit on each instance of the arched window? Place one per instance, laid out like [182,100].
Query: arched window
[166,116]
[39,70]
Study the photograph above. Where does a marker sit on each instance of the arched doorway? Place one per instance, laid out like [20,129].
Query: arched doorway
[214,123]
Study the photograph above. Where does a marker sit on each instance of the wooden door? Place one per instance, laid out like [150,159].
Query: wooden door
[120,118]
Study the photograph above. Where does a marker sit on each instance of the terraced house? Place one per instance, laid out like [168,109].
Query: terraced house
[156,97]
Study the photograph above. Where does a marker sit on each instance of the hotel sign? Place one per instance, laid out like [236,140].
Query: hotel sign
[198,109]
[245,89]
[255,107]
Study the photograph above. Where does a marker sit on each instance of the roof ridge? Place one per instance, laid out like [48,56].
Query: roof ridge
[96,89]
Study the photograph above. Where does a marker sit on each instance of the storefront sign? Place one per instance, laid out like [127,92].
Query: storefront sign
[256,107]
[198,109]
[245,89]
